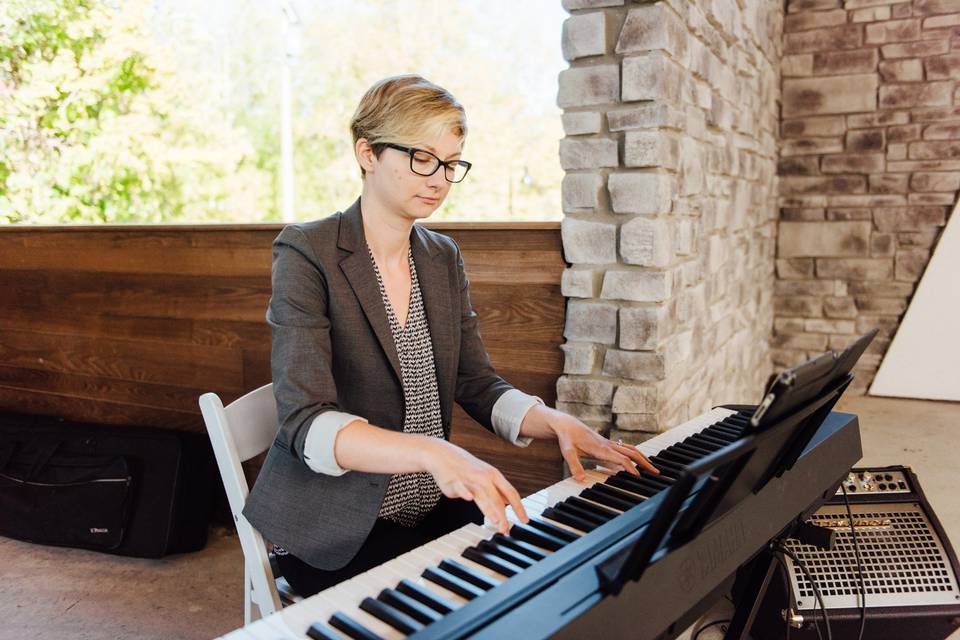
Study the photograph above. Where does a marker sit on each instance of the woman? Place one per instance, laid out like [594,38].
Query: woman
[374,337]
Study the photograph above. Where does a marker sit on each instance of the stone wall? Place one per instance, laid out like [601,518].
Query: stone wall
[669,199]
[870,166]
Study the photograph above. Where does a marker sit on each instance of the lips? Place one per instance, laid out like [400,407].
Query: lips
[429,200]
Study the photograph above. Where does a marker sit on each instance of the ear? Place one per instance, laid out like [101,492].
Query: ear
[364,154]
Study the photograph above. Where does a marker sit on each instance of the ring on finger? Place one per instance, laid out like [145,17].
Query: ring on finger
[620,443]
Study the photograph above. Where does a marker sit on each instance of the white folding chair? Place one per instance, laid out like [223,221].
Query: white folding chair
[241,430]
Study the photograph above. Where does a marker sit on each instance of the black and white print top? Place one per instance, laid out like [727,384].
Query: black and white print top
[410,496]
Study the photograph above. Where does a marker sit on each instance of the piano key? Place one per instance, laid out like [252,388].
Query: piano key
[706,441]
[533,552]
[453,583]
[422,594]
[583,514]
[656,478]
[396,619]
[694,448]
[637,487]
[676,457]
[513,557]
[350,594]
[667,468]
[554,530]
[528,534]
[410,606]
[351,627]
[492,562]
[468,573]
[577,523]
[604,497]
[454,554]
[320,631]
[604,512]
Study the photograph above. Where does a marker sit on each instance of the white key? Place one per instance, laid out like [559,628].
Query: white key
[355,591]
[454,554]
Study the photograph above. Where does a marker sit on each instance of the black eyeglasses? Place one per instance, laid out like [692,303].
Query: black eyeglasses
[424,163]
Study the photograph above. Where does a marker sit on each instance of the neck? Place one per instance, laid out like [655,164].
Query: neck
[387,232]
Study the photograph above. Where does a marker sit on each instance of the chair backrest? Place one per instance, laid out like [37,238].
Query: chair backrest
[241,430]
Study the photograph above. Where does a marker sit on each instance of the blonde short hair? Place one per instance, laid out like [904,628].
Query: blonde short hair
[406,109]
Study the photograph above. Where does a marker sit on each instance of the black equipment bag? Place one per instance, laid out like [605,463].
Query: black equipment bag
[132,491]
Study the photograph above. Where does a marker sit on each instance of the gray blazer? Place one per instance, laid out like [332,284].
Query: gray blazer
[333,350]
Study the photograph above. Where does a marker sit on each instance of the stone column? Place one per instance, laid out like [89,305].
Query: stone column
[669,200]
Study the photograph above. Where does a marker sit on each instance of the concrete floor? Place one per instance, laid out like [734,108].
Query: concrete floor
[49,592]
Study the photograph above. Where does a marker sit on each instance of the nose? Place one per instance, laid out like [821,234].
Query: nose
[438,179]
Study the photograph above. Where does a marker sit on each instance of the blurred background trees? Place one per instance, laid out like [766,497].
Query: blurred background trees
[169,110]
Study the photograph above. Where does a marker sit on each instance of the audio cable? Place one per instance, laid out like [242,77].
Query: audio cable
[856,550]
[816,590]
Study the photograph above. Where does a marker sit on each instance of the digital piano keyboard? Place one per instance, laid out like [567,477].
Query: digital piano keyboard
[444,588]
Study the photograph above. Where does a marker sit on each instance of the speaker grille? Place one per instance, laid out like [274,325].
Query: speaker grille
[903,560]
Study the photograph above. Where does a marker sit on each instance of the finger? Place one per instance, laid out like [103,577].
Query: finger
[639,458]
[612,454]
[493,508]
[572,458]
[511,495]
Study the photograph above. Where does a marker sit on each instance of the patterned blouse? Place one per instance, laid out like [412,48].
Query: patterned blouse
[410,496]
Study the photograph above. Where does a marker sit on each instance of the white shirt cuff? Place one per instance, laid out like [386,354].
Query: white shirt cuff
[318,447]
[509,411]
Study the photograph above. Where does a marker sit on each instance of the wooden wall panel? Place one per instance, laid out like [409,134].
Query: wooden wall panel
[129,325]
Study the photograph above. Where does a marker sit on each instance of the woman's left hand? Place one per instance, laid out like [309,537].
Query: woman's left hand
[577,439]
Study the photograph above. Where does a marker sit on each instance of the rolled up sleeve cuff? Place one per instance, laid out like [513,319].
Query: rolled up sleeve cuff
[318,447]
[508,413]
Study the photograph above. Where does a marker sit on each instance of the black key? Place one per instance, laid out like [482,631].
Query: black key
[667,468]
[736,428]
[464,572]
[614,492]
[693,448]
[553,530]
[739,419]
[676,457]
[727,429]
[402,602]
[596,495]
[453,583]
[580,512]
[352,628]
[656,478]
[643,485]
[593,507]
[519,546]
[536,536]
[635,487]
[508,554]
[320,631]
[569,520]
[396,619]
[720,435]
[491,562]
[436,602]
[705,441]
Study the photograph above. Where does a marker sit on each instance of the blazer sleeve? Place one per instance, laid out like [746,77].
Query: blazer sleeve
[478,386]
[300,359]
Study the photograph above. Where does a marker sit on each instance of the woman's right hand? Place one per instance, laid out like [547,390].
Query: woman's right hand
[459,474]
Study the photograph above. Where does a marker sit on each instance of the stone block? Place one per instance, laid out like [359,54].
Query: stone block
[641,327]
[811,5]
[578,153]
[857,4]
[586,86]
[636,285]
[630,398]
[635,427]
[863,140]
[691,167]
[814,126]
[651,77]
[853,163]
[834,94]
[935,181]
[882,244]
[895,151]
[805,341]
[893,31]
[907,70]
[802,306]
[650,149]
[908,218]
[580,358]
[633,365]
[650,27]
[811,146]
[798,166]
[643,116]
[847,36]
[800,64]
[591,321]
[801,215]
[855,268]
[819,325]
[910,263]
[846,215]
[795,268]
[803,287]
[816,239]
[870,14]
[584,35]
[584,391]
[581,190]
[930,198]
[920,49]
[579,283]
[573,5]
[888,183]
[934,150]
[932,7]
[939,22]
[641,192]
[588,241]
[813,20]
[646,242]
[577,123]
[877,119]
[881,306]
[936,114]
[832,63]
[941,131]
[904,96]
[822,184]
[839,307]
[904,133]
[943,67]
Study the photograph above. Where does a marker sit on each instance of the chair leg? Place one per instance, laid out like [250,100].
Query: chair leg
[247,597]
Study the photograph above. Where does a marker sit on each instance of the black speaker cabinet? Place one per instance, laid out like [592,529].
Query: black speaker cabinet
[909,568]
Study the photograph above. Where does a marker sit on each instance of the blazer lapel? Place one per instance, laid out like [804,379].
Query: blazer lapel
[357,269]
